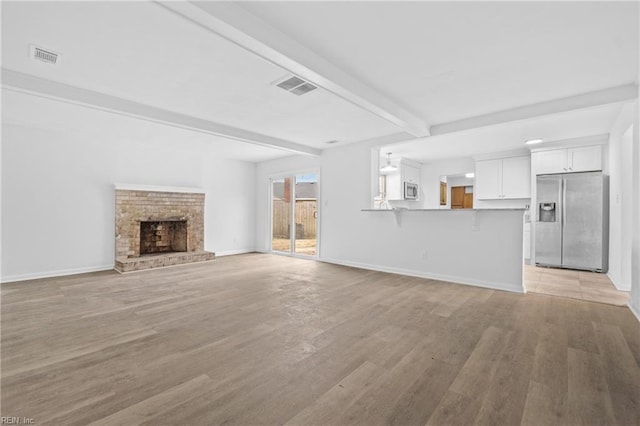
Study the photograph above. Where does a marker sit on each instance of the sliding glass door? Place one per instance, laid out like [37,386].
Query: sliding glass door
[281,215]
[294,215]
[305,213]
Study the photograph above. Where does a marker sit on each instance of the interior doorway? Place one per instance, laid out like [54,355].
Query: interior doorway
[294,215]
[462,197]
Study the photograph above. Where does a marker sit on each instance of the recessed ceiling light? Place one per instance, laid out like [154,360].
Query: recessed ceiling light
[469,175]
[533,141]
[331,142]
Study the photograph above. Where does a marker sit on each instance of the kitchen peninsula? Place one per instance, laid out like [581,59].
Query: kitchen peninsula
[482,247]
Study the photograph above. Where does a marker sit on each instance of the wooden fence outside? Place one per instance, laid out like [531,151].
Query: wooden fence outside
[306,219]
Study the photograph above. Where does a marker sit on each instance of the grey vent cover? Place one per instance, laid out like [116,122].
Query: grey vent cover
[296,85]
[44,55]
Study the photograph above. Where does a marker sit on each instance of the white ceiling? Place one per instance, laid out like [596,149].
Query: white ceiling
[438,61]
[142,52]
[452,60]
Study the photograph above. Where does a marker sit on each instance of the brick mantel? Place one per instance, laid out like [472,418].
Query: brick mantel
[156,188]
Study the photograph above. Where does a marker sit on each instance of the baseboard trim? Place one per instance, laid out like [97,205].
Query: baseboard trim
[618,287]
[392,270]
[234,252]
[419,274]
[634,311]
[74,271]
[53,274]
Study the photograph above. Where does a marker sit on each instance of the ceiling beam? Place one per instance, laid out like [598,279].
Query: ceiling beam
[26,83]
[556,106]
[237,25]
[380,141]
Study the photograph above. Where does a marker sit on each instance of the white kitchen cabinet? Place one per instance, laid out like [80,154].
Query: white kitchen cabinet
[568,160]
[516,177]
[503,178]
[410,173]
[546,162]
[526,241]
[488,177]
[407,172]
[585,158]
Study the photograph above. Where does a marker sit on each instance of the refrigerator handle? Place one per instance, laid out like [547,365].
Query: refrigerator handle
[563,186]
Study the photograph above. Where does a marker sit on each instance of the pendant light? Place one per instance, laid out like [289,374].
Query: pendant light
[388,167]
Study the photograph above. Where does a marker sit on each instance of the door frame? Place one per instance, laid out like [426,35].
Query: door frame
[464,196]
[293,175]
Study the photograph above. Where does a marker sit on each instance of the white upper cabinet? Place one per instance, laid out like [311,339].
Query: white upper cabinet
[488,176]
[410,173]
[568,160]
[585,158]
[546,162]
[516,177]
[503,178]
[407,172]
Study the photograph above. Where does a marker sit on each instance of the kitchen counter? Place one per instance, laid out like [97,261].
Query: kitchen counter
[441,210]
[481,247]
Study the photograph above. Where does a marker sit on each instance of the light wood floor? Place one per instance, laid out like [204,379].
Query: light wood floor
[266,339]
[582,285]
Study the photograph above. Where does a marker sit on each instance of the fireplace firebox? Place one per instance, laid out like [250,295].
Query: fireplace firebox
[164,236]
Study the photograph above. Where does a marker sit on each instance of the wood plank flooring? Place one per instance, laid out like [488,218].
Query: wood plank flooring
[265,339]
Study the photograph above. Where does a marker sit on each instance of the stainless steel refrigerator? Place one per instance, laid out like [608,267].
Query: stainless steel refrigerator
[572,227]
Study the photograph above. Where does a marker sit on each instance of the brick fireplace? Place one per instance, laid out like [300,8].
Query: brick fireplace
[156,228]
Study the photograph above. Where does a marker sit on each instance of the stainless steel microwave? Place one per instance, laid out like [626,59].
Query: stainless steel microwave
[410,191]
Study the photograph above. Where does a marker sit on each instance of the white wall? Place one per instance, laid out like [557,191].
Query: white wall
[624,183]
[57,186]
[430,179]
[230,209]
[489,254]
[459,181]
[620,168]
[634,302]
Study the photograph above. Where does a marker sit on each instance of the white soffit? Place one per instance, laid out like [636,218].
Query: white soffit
[572,103]
[122,132]
[49,89]
[509,136]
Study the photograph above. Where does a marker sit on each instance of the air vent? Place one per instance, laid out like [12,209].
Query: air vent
[291,83]
[44,55]
[295,85]
[303,88]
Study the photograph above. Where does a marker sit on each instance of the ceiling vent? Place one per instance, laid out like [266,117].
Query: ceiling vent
[44,55]
[295,85]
